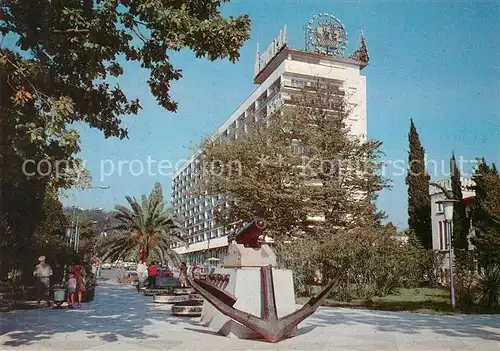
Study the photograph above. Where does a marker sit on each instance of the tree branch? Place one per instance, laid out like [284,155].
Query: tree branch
[447,193]
[48,102]
[139,22]
[71,31]
[139,34]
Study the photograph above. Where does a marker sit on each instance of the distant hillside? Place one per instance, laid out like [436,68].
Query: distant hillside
[105,219]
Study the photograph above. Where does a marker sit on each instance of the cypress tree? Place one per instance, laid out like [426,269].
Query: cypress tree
[460,220]
[419,205]
[486,214]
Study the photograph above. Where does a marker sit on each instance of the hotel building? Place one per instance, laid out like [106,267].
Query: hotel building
[279,72]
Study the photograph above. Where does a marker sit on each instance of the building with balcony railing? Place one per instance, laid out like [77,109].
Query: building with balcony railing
[279,72]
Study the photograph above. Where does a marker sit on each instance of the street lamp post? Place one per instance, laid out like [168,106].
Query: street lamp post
[448,217]
[67,234]
[74,218]
[77,228]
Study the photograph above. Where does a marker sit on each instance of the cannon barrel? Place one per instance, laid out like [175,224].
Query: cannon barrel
[250,233]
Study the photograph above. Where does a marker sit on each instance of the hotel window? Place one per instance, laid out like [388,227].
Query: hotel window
[251,109]
[296,147]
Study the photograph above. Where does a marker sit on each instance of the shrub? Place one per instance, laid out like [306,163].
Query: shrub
[466,288]
[465,279]
[489,288]
[370,261]
[299,256]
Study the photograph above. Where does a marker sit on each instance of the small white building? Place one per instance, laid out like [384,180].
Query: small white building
[440,241]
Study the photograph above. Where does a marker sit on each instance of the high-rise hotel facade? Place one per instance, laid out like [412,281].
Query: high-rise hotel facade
[279,72]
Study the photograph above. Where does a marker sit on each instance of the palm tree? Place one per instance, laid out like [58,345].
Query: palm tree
[146,230]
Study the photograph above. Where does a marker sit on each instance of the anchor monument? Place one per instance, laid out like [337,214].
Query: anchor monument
[250,297]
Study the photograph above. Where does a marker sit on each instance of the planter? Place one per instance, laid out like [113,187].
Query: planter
[88,295]
[190,308]
[196,297]
[151,292]
[170,298]
[184,291]
[59,296]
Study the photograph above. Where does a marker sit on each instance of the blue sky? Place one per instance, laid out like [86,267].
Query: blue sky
[435,62]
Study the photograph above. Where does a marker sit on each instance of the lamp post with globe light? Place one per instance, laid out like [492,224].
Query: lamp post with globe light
[448,217]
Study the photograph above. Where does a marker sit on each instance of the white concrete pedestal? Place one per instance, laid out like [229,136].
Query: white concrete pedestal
[245,285]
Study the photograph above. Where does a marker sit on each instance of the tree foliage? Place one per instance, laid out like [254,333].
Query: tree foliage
[486,214]
[19,254]
[72,46]
[369,261]
[147,230]
[315,182]
[461,222]
[298,164]
[60,71]
[417,179]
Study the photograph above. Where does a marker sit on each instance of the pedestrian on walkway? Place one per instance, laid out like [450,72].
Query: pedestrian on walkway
[99,267]
[80,282]
[142,273]
[183,275]
[42,274]
[196,271]
[152,273]
[71,289]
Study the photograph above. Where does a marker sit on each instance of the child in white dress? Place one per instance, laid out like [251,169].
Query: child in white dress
[71,290]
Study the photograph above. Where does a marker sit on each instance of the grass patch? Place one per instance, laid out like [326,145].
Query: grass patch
[418,300]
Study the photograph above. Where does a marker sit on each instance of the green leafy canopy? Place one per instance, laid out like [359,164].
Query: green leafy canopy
[70,47]
[290,174]
[59,72]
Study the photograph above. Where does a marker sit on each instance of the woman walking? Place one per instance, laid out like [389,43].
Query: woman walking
[80,283]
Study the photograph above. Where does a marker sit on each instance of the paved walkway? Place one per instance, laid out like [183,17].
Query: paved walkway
[121,319]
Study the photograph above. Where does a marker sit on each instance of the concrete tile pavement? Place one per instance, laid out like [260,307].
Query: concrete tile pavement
[121,319]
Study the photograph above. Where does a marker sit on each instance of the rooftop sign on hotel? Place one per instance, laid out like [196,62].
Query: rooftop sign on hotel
[262,59]
[325,34]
